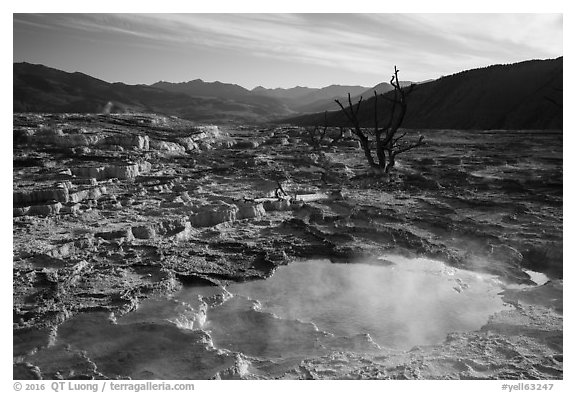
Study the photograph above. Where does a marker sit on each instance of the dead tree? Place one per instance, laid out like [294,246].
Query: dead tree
[387,143]
[318,136]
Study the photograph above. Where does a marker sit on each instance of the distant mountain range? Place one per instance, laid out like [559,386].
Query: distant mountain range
[306,99]
[526,95]
[297,99]
[42,89]
[522,95]
[228,93]
[199,88]
[38,88]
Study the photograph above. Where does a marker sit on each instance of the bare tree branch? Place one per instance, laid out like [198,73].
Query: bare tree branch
[398,139]
[319,137]
[411,146]
[388,143]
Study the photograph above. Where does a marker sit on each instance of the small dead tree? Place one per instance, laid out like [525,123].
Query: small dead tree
[387,143]
[318,136]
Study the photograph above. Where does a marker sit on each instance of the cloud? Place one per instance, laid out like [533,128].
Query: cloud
[360,43]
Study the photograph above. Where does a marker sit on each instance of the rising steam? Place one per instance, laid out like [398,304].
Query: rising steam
[107,108]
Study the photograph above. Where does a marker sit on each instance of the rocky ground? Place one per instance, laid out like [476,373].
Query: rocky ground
[111,209]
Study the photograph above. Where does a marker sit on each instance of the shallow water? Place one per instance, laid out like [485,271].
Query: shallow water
[537,277]
[399,305]
[306,309]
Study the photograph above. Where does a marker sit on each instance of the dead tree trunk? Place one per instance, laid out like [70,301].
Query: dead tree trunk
[318,136]
[387,144]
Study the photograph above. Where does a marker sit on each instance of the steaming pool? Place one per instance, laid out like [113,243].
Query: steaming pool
[305,309]
[398,303]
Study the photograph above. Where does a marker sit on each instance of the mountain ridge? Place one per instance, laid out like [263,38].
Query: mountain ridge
[507,96]
[501,96]
[37,88]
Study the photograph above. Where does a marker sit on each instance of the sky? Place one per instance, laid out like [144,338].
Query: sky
[281,50]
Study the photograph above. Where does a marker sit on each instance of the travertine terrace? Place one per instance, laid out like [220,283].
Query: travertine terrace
[112,209]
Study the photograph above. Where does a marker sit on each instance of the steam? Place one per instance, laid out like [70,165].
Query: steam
[305,309]
[107,108]
[416,301]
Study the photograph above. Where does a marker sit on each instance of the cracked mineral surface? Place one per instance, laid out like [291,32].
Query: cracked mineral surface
[114,216]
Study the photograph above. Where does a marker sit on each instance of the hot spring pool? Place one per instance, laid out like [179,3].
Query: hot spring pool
[398,304]
[306,309]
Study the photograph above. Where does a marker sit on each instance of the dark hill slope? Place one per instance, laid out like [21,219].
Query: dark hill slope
[42,89]
[514,96]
